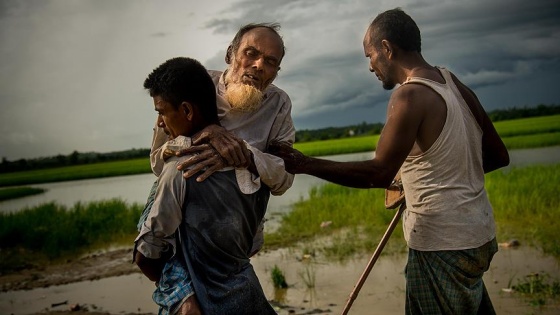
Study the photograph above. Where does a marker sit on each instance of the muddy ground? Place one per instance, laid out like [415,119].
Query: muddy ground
[90,267]
[383,291]
[101,265]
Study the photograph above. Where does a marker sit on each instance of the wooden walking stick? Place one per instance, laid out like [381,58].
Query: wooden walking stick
[394,197]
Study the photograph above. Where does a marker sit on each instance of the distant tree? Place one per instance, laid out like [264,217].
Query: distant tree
[61,159]
[73,158]
[524,112]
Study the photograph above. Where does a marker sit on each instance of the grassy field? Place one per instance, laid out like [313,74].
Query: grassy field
[58,231]
[534,132]
[525,201]
[528,126]
[59,174]
[517,134]
[19,192]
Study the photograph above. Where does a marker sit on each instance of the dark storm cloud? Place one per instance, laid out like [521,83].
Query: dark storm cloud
[486,43]
[71,72]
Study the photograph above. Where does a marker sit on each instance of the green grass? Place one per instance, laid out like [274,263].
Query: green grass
[522,133]
[525,200]
[359,214]
[528,126]
[19,192]
[338,146]
[51,231]
[77,172]
[532,141]
[278,278]
[526,204]
[538,289]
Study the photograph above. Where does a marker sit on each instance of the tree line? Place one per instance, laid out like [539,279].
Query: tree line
[374,129]
[74,158]
[305,135]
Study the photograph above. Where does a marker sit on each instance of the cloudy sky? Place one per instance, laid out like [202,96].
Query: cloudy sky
[71,72]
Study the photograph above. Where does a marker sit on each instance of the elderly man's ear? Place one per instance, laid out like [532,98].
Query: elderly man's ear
[228,54]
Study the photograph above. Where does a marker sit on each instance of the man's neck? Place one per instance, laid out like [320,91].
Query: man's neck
[414,65]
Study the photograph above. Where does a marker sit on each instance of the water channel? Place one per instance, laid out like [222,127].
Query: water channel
[135,188]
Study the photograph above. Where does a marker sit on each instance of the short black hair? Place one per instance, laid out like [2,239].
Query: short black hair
[398,28]
[183,79]
[236,42]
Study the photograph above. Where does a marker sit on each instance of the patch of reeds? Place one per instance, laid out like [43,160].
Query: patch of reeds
[538,289]
[525,200]
[278,278]
[526,204]
[308,275]
[359,213]
[19,192]
[53,230]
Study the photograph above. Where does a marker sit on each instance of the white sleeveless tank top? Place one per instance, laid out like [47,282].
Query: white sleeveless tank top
[447,205]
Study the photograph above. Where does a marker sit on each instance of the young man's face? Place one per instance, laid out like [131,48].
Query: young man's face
[175,122]
[258,58]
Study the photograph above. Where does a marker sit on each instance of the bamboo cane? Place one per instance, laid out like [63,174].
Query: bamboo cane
[373,259]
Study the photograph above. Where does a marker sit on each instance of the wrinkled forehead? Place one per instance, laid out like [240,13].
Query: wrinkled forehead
[265,40]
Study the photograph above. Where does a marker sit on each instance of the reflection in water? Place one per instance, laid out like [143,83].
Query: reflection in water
[308,276]
[280,295]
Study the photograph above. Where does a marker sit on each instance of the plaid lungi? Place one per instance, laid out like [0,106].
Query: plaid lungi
[449,282]
[175,285]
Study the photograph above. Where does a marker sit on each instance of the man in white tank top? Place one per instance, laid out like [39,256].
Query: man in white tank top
[439,135]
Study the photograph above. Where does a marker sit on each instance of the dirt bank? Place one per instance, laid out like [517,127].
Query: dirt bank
[90,267]
[315,287]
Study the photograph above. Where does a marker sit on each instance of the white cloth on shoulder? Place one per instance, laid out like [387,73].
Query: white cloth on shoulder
[248,183]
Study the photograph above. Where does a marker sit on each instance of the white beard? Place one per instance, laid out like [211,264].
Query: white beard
[242,97]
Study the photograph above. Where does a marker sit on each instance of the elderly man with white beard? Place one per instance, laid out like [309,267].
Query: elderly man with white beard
[252,113]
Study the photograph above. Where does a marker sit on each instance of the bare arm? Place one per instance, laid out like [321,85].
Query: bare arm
[151,268]
[494,151]
[396,140]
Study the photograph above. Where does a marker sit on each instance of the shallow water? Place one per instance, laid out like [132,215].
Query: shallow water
[135,188]
[382,293]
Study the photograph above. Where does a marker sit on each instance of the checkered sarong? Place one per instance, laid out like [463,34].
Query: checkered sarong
[175,285]
[449,282]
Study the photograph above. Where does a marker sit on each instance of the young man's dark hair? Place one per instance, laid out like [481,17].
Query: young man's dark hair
[183,79]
